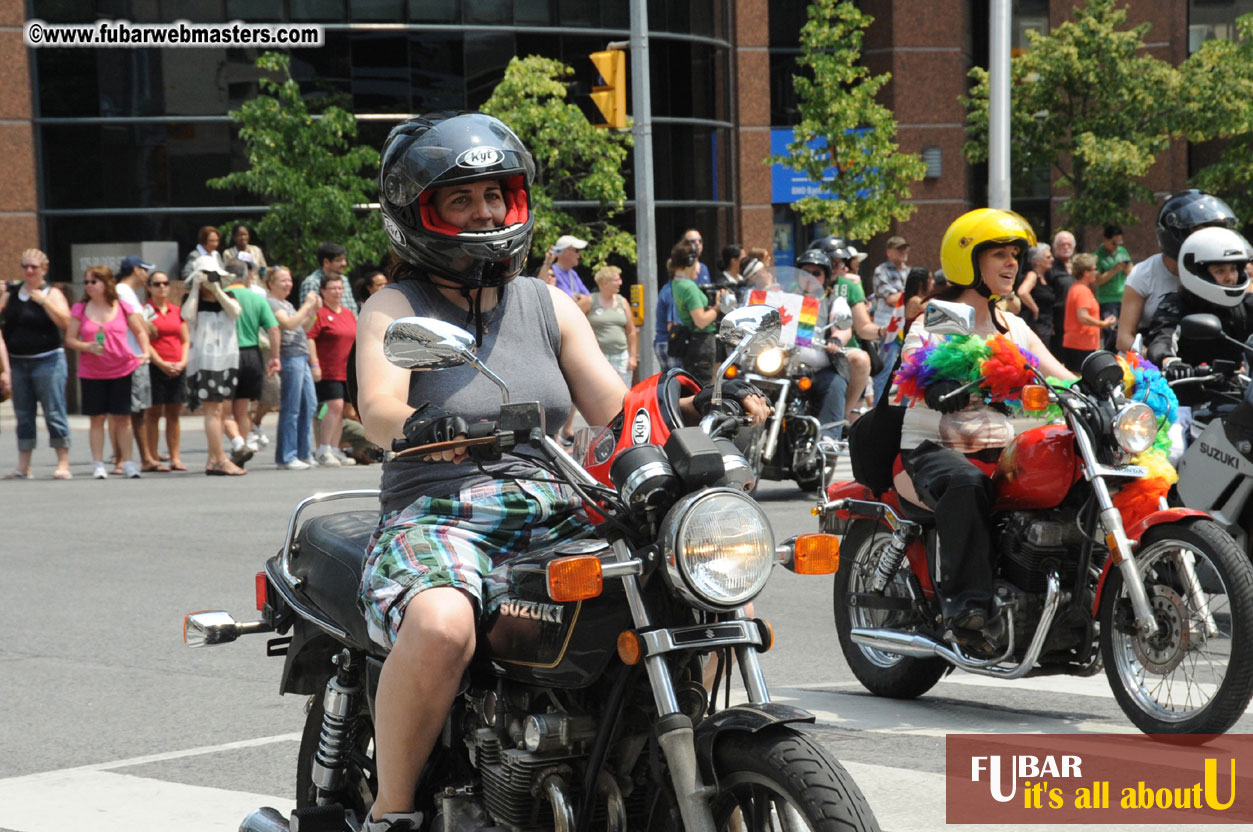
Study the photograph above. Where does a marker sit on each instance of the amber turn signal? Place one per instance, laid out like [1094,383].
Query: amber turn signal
[574,578]
[1035,397]
[816,554]
[629,648]
[732,371]
[804,383]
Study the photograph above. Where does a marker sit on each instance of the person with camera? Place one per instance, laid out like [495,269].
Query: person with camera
[213,360]
[697,312]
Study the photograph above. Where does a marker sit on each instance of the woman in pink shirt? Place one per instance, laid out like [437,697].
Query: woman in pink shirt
[97,330]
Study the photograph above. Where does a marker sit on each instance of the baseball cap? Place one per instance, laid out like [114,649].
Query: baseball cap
[897,242]
[567,240]
[206,263]
[854,254]
[132,262]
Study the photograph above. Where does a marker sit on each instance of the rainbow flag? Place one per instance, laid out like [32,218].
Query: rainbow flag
[806,322]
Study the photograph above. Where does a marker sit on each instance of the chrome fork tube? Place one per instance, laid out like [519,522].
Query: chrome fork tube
[1111,521]
[776,421]
[658,671]
[750,670]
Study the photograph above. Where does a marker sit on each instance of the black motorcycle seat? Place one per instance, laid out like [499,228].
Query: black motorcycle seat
[330,555]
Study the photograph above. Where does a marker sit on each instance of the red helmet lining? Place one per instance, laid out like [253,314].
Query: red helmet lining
[513,189]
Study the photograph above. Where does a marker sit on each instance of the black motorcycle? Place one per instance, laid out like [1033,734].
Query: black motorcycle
[584,707]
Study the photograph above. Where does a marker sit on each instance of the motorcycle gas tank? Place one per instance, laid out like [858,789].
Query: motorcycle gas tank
[1214,476]
[535,640]
[1036,469]
[651,412]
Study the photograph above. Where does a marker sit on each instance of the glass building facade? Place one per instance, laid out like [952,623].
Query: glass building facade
[126,138]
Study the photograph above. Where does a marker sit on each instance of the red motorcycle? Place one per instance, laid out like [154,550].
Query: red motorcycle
[1165,602]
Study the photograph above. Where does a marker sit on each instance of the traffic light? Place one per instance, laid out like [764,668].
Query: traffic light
[611,96]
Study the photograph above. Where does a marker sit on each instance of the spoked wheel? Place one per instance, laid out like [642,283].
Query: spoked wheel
[360,778]
[882,673]
[779,779]
[1194,675]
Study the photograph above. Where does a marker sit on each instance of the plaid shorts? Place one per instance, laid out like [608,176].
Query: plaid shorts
[455,541]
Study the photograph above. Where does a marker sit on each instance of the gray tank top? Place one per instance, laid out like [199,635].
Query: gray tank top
[521,345]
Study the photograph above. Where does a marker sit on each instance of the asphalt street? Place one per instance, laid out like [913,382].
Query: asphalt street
[109,722]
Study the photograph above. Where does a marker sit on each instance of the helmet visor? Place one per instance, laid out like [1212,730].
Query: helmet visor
[1207,210]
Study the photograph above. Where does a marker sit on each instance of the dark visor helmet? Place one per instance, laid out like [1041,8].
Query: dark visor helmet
[832,246]
[815,257]
[430,152]
[1187,211]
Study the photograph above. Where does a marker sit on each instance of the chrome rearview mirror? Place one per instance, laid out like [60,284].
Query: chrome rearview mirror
[946,318]
[728,303]
[427,344]
[755,327]
[430,344]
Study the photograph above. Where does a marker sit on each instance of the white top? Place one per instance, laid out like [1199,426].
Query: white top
[127,295]
[977,427]
[1153,281]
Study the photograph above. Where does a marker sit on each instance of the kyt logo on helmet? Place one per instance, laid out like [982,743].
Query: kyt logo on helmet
[479,157]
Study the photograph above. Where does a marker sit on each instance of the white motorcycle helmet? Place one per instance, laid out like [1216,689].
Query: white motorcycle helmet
[1211,246]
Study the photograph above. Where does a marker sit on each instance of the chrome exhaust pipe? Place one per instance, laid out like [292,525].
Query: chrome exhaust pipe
[265,819]
[563,813]
[918,646]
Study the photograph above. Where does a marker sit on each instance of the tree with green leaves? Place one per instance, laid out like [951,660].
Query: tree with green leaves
[845,140]
[1090,106]
[573,159]
[1217,103]
[310,172]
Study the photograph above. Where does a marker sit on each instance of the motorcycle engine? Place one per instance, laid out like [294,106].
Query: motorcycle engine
[1030,538]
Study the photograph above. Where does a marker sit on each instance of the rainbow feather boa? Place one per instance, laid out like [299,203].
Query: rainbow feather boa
[1002,369]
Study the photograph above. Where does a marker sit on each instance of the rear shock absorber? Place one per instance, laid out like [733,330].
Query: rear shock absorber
[890,560]
[339,704]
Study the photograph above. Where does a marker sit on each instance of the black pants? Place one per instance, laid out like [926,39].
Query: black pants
[961,497]
[699,360]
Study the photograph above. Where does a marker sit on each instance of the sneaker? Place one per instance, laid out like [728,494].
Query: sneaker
[262,439]
[397,822]
[327,459]
[131,470]
[241,455]
[295,465]
[251,443]
[343,458]
[99,471]
[311,461]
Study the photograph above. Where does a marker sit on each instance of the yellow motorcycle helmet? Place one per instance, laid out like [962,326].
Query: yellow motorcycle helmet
[975,231]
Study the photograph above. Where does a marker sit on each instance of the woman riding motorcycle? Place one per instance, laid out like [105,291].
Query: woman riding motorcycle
[1213,280]
[454,192]
[949,447]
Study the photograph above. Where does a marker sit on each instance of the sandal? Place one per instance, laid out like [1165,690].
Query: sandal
[226,469]
[155,469]
[17,475]
[63,475]
[177,466]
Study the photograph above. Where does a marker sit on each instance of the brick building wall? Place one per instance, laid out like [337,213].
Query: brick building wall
[19,226]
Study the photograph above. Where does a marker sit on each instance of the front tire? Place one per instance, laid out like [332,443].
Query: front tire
[882,673]
[1195,674]
[779,778]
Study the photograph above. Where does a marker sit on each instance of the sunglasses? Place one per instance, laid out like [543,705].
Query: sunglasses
[90,282]
[159,283]
[815,272]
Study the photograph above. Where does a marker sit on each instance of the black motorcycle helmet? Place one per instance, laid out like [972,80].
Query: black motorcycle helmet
[815,257]
[434,151]
[831,246]
[1185,212]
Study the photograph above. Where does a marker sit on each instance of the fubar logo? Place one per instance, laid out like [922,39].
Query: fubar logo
[479,157]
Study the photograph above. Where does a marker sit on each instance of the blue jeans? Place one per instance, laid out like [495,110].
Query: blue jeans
[890,351]
[295,415]
[40,381]
[831,393]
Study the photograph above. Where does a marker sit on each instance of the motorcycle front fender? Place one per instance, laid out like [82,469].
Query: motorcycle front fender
[744,719]
[1157,518]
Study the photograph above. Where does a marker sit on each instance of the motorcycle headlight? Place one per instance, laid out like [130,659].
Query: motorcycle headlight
[718,548]
[770,361]
[1135,427]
